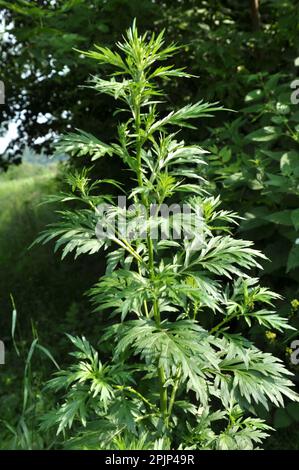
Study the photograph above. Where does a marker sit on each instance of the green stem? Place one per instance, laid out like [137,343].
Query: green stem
[135,392]
[121,241]
[223,322]
[173,393]
[163,394]
[138,146]
[151,269]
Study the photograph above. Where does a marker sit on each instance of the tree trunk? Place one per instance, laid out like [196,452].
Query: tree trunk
[255,15]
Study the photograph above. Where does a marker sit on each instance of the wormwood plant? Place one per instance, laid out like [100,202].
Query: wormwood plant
[171,370]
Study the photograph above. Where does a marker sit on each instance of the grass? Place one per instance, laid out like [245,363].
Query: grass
[21,218]
[49,294]
[44,288]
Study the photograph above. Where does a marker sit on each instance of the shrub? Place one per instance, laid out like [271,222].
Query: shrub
[172,369]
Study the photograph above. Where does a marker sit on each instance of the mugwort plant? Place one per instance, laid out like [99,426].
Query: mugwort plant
[173,369]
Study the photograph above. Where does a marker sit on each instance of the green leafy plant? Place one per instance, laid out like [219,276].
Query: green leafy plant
[256,156]
[172,369]
[254,161]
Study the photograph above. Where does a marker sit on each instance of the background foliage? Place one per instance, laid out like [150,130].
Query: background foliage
[245,63]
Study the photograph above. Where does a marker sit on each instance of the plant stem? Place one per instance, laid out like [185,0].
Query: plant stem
[163,395]
[173,393]
[120,241]
[151,269]
[223,322]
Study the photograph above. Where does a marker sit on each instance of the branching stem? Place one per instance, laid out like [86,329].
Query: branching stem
[151,263]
